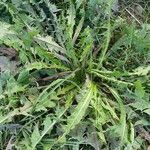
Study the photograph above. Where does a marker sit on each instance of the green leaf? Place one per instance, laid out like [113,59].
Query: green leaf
[112,79]
[140,105]
[110,109]
[5,30]
[44,103]
[78,3]
[36,65]
[14,87]
[48,125]
[71,19]
[147,111]
[139,89]
[142,70]
[47,122]
[53,86]
[52,45]
[79,111]
[107,34]
[77,31]
[35,136]
[23,77]
[8,116]
[131,132]
[121,128]
[87,44]
[102,136]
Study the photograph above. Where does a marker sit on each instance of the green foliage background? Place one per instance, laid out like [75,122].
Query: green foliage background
[80,76]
